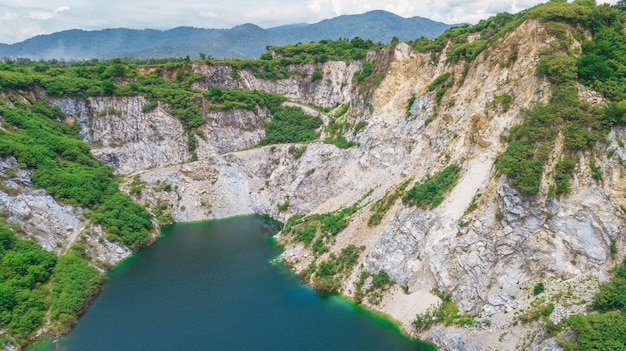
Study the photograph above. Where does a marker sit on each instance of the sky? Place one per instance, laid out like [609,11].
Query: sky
[23,19]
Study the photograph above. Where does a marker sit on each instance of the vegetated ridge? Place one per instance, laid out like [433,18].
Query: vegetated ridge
[471,187]
[243,41]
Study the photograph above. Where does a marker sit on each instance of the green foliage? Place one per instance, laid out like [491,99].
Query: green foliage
[605,329]
[12,80]
[466,51]
[442,83]
[409,104]
[383,205]
[539,288]
[25,269]
[334,222]
[137,185]
[291,125]
[304,229]
[485,32]
[504,100]
[315,76]
[63,165]
[562,173]
[538,309]
[74,282]
[35,281]
[239,98]
[284,206]
[124,219]
[192,143]
[359,127]
[441,79]
[325,50]
[297,151]
[95,78]
[366,71]
[613,248]
[305,233]
[162,214]
[151,106]
[293,221]
[612,295]
[447,314]
[519,164]
[342,111]
[596,171]
[336,130]
[340,141]
[599,331]
[329,274]
[473,204]
[530,143]
[380,282]
[429,194]
[319,248]
[560,68]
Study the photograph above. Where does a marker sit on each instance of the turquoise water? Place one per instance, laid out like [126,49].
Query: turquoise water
[211,286]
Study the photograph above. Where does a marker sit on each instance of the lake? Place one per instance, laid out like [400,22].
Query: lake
[212,286]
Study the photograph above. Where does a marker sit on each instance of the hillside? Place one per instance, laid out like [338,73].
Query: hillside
[244,41]
[470,187]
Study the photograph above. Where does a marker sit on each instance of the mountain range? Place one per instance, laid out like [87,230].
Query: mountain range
[243,41]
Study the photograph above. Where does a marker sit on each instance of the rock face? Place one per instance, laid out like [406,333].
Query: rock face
[54,226]
[124,137]
[488,258]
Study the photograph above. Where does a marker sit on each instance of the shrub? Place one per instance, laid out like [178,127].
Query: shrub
[429,194]
[74,282]
[149,106]
[64,167]
[539,288]
[317,75]
[291,125]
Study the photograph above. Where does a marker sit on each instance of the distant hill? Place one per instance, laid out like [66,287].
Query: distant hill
[245,41]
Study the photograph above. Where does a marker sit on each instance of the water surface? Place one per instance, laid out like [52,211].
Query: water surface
[210,286]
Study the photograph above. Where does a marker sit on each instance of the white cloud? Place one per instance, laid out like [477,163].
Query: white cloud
[62,9]
[208,14]
[44,15]
[8,16]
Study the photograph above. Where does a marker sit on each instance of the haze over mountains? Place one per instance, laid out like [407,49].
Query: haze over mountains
[243,41]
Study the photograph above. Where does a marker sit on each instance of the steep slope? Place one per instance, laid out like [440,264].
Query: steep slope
[486,245]
[419,219]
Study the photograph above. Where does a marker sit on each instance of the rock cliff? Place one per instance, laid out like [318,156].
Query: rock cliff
[486,256]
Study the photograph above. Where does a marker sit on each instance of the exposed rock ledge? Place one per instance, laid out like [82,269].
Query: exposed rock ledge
[488,259]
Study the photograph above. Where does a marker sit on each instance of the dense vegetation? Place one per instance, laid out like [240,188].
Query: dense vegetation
[74,282]
[328,275]
[429,193]
[34,282]
[324,50]
[601,66]
[604,328]
[62,164]
[291,125]
[305,228]
[461,47]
